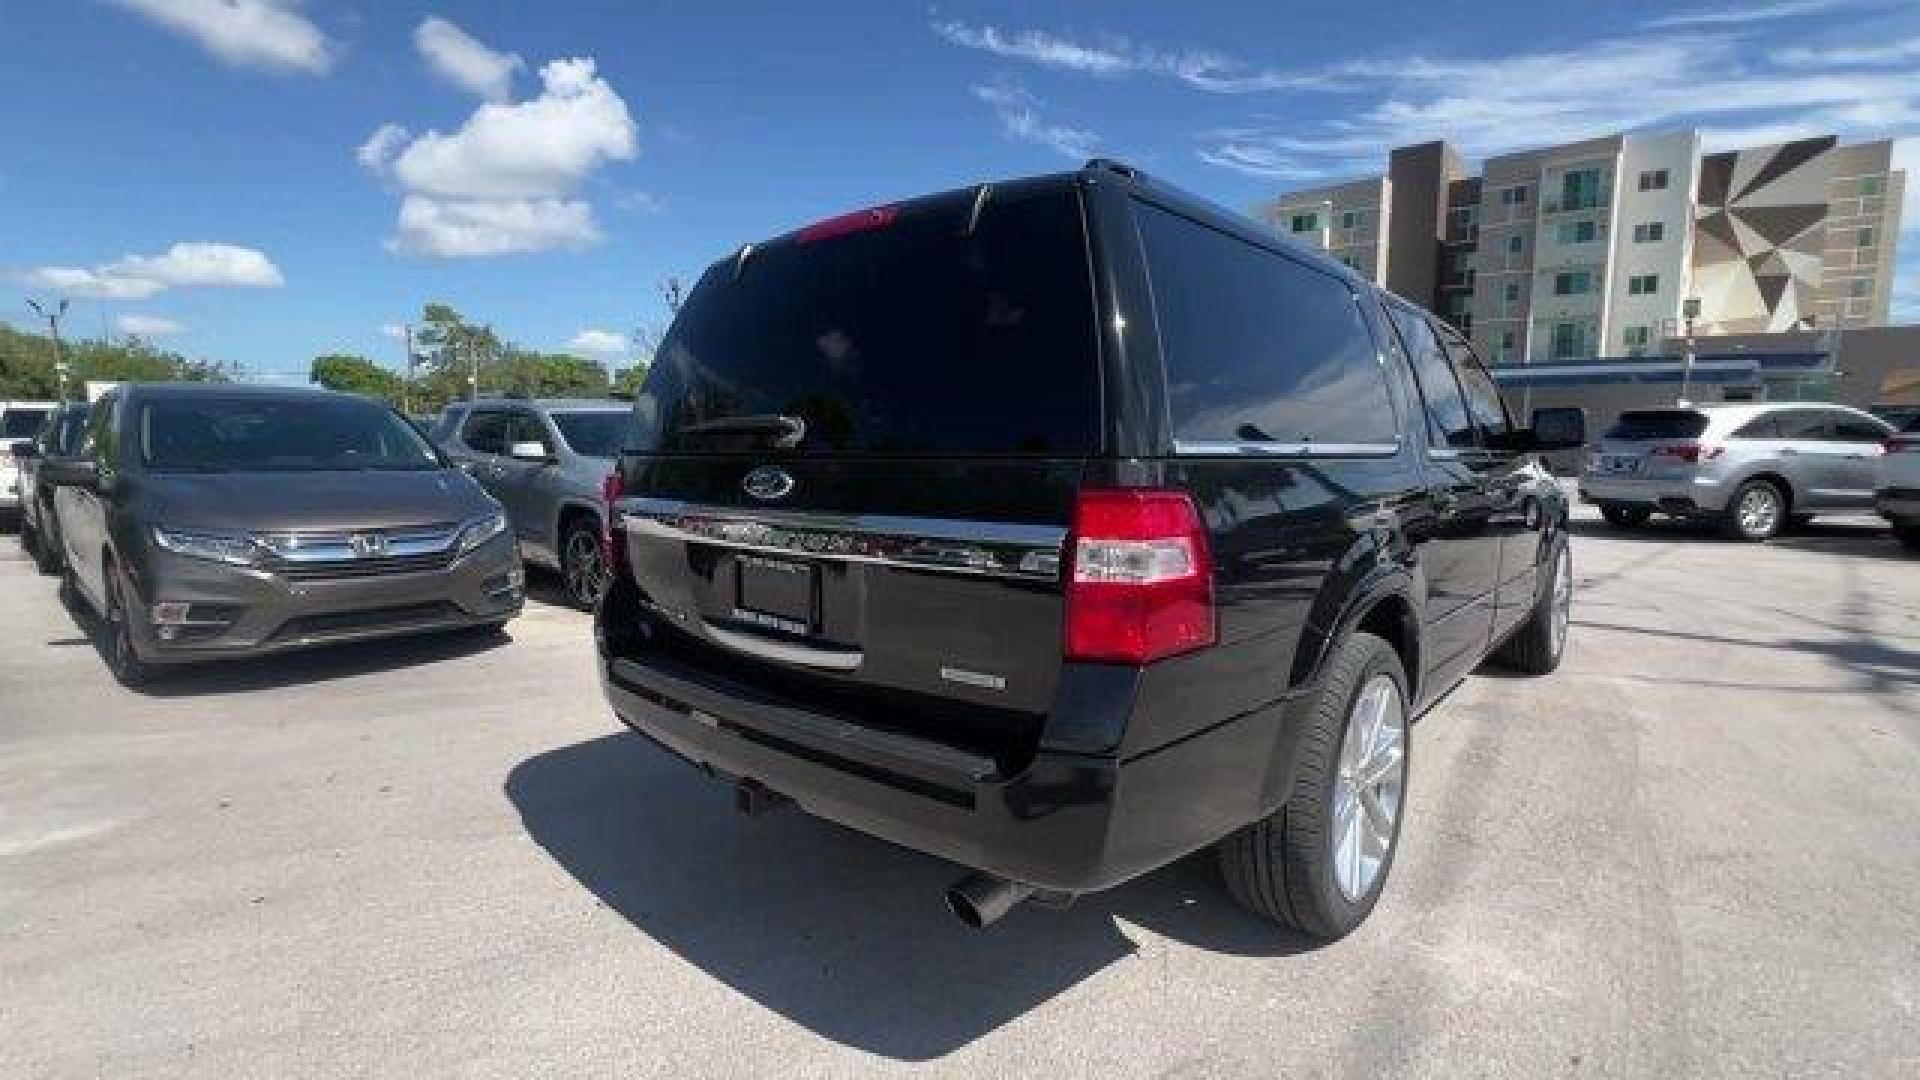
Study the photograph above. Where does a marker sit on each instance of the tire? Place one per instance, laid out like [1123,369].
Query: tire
[122,658]
[1909,535]
[1295,866]
[1756,512]
[583,566]
[1537,647]
[1625,517]
[46,546]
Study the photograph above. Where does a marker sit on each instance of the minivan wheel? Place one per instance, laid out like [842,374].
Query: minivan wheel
[583,565]
[1625,517]
[46,543]
[1538,645]
[1756,511]
[1318,863]
[122,658]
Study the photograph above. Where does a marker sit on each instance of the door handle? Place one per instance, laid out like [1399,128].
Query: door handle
[1788,451]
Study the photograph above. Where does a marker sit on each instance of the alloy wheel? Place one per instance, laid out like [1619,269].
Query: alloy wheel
[585,568]
[1759,510]
[1369,786]
[1561,614]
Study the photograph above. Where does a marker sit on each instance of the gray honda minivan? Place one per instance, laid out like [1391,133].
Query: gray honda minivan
[205,521]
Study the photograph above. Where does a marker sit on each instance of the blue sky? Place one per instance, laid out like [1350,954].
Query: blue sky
[259,181]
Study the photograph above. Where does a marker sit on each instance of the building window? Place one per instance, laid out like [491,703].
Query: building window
[1512,292]
[1515,244]
[1578,232]
[1572,283]
[1350,219]
[1653,180]
[1306,223]
[1636,339]
[1513,196]
[1508,342]
[1871,186]
[1643,284]
[1568,341]
[1649,232]
[1580,190]
[1864,238]
[1860,287]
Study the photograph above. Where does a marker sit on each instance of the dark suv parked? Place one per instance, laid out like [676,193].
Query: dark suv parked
[204,521]
[1064,526]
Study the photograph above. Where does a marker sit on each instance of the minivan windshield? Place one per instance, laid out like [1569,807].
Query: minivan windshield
[915,334]
[592,433]
[278,435]
[1644,424]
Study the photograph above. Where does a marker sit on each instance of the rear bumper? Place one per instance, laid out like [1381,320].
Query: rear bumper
[1680,494]
[1898,503]
[1067,822]
[246,612]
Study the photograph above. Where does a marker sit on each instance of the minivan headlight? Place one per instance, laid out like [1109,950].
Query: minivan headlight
[235,549]
[482,529]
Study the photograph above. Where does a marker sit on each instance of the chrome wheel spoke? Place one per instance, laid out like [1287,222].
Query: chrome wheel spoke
[1366,790]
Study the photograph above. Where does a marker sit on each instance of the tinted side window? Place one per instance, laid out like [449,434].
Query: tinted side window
[526,427]
[1446,409]
[1854,429]
[486,432]
[1803,424]
[1760,427]
[1259,347]
[447,423]
[1483,394]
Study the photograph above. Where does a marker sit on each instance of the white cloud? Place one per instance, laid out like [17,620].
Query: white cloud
[1748,13]
[1114,55]
[1897,52]
[1019,113]
[642,202]
[147,326]
[136,277]
[378,150]
[463,60]
[80,281]
[394,330]
[598,342]
[470,228]
[505,181]
[271,34]
[203,264]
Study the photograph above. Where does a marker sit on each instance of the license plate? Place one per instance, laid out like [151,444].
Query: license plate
[1621,463]
[778,594]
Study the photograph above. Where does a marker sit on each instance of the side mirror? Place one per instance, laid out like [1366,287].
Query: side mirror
[72,472]
[1559,429]
[529,451]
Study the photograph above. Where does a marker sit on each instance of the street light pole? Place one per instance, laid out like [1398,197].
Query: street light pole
[1690,309]
[53,318]
[406,386]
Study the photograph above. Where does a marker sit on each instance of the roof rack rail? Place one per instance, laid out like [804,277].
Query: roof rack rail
[1112,166]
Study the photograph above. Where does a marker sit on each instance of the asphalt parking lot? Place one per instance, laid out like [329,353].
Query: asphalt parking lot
[1690,853]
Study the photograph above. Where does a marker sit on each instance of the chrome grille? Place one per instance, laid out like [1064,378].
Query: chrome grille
[360,552]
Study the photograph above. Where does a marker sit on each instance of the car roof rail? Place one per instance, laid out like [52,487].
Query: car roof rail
[1110,165]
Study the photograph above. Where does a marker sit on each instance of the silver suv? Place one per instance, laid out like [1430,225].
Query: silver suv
[1753,467]
[546,461]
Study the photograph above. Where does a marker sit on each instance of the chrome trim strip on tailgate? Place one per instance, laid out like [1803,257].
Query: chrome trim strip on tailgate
[986,548]
[768,649]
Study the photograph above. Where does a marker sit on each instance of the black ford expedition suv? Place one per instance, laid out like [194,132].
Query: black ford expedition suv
[1064,526]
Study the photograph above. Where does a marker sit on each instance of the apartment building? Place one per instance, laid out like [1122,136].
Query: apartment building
[1594,248]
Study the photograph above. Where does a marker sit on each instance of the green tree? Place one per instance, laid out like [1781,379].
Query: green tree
[355,375]
[27,364]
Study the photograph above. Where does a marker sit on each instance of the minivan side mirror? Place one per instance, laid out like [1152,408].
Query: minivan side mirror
[1559,429]
[529,451]
[72,472]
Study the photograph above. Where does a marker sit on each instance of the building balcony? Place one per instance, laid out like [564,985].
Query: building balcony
[1559,205]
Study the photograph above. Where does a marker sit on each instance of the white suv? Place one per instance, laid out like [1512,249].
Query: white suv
[1898,496]
[19,422]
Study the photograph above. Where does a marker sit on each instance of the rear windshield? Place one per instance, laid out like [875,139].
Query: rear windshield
[592,434]
[1658,424]
[912,337]
[278,435]
[22,423]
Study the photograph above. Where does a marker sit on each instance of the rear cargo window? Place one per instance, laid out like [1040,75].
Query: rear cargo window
[912,336]
[1646,424]
[1258,347]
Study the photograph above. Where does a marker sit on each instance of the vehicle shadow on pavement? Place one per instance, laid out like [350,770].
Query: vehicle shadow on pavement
[239,675]
[1847,536]
[841,933]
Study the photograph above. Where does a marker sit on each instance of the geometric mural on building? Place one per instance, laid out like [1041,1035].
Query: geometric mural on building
[1759,235]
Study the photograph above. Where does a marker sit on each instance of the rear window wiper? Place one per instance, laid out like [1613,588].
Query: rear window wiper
[788,430]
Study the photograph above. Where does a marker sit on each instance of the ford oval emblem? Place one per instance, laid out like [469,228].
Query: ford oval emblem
[768,482]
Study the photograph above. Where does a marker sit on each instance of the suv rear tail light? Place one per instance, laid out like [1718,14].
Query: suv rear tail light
[1900,444]
[612,541]
[876,217]
[1691,453]
[1140,583]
